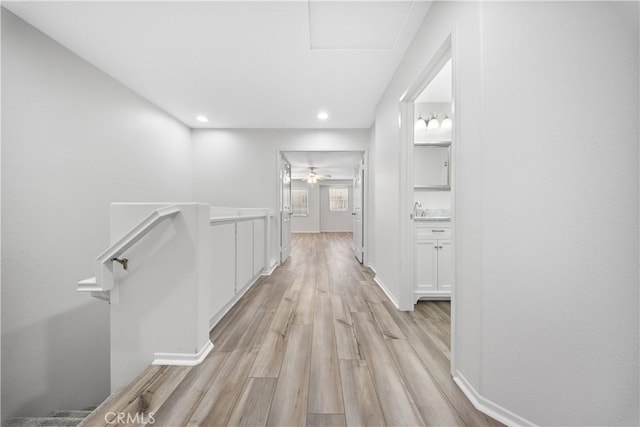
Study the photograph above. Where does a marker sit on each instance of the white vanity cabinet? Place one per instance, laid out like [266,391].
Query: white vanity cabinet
[434,260]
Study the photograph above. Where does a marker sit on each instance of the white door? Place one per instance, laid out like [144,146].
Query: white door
[285,210]
[427,265]
[358,203]
[445,265]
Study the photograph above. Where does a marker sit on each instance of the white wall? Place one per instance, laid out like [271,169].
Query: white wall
[335,220]
[563,178]
[73,140]
[1,417]
[311,222]
[160,306]
[238,167]
[433,199]
[370,202]
[546,203]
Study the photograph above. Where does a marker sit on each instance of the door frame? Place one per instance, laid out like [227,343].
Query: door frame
[365,205]
[279,165]
[364,198]
[447,50]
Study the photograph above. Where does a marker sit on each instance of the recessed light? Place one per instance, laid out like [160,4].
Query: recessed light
[323,115]
[202,119]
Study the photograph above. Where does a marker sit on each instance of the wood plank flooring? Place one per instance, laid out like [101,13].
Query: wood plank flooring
[317,343]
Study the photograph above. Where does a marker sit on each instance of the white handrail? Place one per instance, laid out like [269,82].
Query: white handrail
[236,218]
[104,271]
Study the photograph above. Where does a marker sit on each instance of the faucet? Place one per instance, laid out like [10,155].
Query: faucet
[416,205]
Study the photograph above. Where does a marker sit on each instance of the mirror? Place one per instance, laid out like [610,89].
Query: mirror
[431,167]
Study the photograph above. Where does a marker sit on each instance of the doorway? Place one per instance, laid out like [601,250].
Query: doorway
[428,157]
[327,190]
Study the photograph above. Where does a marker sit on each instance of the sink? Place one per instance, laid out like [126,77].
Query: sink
[430,214]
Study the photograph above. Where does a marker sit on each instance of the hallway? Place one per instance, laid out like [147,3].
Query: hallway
[315,343]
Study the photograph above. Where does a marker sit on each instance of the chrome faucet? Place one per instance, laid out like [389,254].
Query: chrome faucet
[416,205]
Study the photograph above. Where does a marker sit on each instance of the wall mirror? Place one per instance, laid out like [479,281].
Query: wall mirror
[431,167]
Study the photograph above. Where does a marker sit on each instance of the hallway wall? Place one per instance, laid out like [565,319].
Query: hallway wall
[547,213]
[237,167]
[73,141]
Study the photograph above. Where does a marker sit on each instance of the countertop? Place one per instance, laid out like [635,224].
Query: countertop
[432,218]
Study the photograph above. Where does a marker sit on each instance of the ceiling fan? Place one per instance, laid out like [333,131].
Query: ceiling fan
[313,176]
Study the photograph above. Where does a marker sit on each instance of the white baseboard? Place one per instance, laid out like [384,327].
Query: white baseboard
[305,232]
[336,231]
[183,359]
[268,270]
[386,291]
[372,267]
[431,295]
[485,406]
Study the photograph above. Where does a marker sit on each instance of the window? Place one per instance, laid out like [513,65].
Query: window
[300,202]
[338,199]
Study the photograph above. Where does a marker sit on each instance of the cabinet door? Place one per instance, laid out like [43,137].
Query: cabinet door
[426,265]
[258,246]
[445,265]
[223,266]
[244,254]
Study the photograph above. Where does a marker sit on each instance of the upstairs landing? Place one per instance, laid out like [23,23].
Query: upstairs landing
[315,343]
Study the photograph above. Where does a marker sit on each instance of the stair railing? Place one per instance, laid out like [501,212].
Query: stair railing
[105,261]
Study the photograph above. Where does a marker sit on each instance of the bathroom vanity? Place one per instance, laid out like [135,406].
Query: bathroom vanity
[434,259]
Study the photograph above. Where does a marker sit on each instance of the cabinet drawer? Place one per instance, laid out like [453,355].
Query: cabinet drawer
[433,231]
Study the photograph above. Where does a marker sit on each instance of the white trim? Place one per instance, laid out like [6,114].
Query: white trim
[336,231]
[372,267]
[305,232]
[88,285]
[236,218]
[431,295]
[386,291]
[268,270]
[183,359]
[487,407]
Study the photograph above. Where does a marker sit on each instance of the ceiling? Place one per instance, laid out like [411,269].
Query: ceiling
[263,64]
[338,164]
[439,89]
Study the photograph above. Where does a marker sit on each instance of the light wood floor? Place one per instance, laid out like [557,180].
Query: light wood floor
[317,343]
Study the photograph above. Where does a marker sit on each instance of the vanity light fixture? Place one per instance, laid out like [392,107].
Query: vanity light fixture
[421,123]
[446,123]
[323,115]
[430,123]
[202,119]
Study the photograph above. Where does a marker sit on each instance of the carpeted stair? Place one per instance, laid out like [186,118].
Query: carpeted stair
[55,419]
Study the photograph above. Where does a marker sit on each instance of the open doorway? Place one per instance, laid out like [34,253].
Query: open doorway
[428,115]
[328,194]
[432,189]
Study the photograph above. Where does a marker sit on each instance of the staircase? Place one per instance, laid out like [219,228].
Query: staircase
[55,419]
